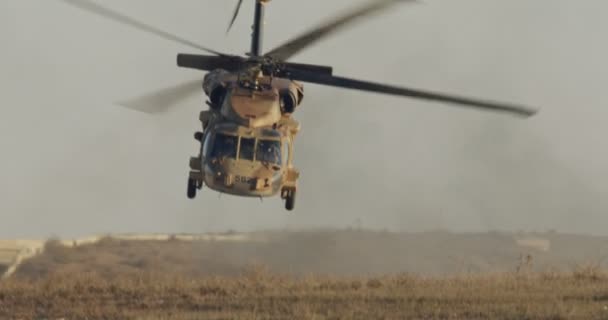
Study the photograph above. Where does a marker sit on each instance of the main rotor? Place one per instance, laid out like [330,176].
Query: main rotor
[275,62]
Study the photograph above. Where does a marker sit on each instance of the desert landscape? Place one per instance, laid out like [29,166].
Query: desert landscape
[322,274]
[407,155]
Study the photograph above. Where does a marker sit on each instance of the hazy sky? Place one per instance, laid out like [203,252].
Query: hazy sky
[74,163]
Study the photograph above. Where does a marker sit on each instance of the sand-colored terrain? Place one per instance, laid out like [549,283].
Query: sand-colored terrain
[14,252]
[342,252]
[331,274]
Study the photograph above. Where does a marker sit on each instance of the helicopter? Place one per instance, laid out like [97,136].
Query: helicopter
[248,130]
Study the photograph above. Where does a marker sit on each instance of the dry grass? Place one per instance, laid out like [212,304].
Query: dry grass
[258,294]
[117,279]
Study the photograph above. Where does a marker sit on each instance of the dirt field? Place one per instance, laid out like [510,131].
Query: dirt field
[258,294]
[316,275]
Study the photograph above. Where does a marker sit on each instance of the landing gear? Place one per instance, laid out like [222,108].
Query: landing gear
[195,177]
[290,198]
[192,186]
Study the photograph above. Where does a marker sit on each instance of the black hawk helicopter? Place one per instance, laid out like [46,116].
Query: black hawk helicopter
[248,130]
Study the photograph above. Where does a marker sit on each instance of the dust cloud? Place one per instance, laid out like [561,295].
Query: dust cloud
[323,252]
[73,163]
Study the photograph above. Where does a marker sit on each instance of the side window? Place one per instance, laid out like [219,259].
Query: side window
[207,145]
[269,151]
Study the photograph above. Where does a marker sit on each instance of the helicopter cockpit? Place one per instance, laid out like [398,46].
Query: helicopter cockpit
[263,146]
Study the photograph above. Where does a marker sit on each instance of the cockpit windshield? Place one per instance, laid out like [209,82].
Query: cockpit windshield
[268,151]
[251,149]
[224,146]
[247,148]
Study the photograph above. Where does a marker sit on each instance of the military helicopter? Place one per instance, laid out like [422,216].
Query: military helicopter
[247,141]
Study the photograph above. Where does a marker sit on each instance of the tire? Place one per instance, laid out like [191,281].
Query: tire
[290,200]
[191,188]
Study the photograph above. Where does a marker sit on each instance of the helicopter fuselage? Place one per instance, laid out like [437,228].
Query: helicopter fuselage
[245,162]
[247,139]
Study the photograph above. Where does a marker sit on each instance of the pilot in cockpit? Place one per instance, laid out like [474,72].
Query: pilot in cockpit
[269,151]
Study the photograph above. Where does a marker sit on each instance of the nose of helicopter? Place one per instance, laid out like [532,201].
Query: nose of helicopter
[245,179]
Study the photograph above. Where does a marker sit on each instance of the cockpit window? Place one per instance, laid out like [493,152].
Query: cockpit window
[271,133]
[269,151]
[224,146]
[247,148]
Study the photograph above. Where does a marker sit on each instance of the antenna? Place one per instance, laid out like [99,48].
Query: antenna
[258,28]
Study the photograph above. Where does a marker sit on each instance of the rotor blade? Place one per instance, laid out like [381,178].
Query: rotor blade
[306,39]
[92,7]
[160,101]
[236,14]
[406,92]
[208,63]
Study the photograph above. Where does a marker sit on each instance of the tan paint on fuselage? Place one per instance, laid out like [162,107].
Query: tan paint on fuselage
[253,109]
[254,173]
[226,175]
[250,113]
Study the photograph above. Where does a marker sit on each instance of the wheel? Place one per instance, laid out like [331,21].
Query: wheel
[191,188]
[290,203]
[290,200]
